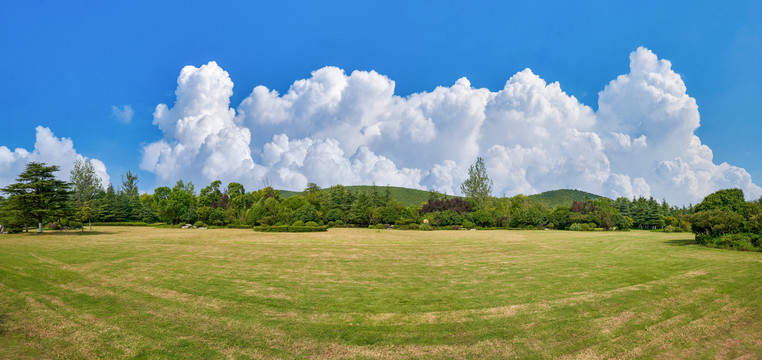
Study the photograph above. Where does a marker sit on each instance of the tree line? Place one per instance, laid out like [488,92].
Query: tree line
[40,199]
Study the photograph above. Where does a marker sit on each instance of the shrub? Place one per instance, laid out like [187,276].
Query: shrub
[467,224]
[75,225]
[311,224]
[53,226]
[338,223]
[199,224]
[743,242]
[413,226]
[135,223]
[716,222]
[298,223]
[456,227]
[286,228]
[483,218]
[306,213]
[425,227]
[377,226]
[331,224]
[670,229]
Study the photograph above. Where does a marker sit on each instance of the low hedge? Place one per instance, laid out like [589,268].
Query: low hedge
[290,228]
[136,223]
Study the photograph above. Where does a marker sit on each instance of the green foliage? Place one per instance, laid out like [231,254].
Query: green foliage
[729,200]
[38,195]
[307,213]
[743,242]
[478,185]
[716,222]
[288,228]
[561,197]
[482,218]
[85,183]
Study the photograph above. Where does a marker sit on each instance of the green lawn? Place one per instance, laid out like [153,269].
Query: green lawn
[355,293]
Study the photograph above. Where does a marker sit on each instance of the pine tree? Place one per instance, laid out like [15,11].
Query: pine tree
[38,195]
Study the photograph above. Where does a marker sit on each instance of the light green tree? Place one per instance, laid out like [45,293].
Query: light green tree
[478,185]
[85,183]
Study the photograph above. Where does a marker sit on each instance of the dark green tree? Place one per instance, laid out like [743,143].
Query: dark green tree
[39,195]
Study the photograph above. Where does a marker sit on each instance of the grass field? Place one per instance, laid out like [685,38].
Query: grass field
[358,293]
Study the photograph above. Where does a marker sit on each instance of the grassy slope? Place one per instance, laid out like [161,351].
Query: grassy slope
[170,293]
[562,197]
[554,198]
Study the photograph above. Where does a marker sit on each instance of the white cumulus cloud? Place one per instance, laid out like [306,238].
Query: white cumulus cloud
[339,128]
[50,150]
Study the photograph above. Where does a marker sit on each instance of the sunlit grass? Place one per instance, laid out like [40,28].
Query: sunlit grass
[171,293]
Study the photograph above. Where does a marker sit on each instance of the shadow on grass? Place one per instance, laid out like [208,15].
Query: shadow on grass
[681,242]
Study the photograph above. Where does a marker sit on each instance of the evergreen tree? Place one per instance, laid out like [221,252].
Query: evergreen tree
[38,195]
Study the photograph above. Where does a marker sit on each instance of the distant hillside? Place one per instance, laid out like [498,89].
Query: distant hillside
[562,197]
[405,196]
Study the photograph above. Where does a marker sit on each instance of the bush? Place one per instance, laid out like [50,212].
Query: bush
[576,227]
[134,223]
[286,228]
[298,223]
[671,229]
[467,224]
[199,224]
[483,218]
[413,226]
[75,225]
[716,222]
[338,223]
[311,224]
[743,242]
[456,227]
[53,226]
[425,227]
[377,226]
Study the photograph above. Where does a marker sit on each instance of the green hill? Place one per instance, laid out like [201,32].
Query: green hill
[561,197]
[407,197]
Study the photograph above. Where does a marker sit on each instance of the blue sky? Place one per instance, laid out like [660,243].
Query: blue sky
[66,64]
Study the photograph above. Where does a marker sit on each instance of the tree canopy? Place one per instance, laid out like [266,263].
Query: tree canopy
[38,195]
[478,185]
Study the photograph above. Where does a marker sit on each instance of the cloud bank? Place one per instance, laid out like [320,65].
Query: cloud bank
[48,149]
[334,128]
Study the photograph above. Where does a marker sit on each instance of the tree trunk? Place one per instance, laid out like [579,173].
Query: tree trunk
[26,227]
[39,225]
[90,224]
